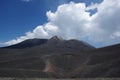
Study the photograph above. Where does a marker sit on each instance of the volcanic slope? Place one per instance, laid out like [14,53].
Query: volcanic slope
[60,58]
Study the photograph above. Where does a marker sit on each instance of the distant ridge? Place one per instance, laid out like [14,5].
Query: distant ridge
[54,42]
[59,58]
[27,43]
[56,38]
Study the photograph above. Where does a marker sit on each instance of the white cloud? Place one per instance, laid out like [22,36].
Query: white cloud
[73,21]
[107,19]
[26,0]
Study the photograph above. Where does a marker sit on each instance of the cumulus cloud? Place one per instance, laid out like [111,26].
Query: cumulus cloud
[106,20]
[26,0]
[73,21]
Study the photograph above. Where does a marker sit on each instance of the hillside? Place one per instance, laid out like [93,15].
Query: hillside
[59,58]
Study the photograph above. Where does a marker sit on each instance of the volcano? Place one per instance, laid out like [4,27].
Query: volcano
[59,58]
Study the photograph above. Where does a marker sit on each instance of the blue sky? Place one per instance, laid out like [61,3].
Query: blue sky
[18,17]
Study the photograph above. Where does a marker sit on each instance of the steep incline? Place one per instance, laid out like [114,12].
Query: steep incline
[62,59]
[27,44]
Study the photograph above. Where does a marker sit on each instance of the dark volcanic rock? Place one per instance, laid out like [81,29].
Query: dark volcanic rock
[59,58]
[27,44]
[57,44]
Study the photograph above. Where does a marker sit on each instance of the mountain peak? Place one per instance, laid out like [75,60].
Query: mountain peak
[56,38]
